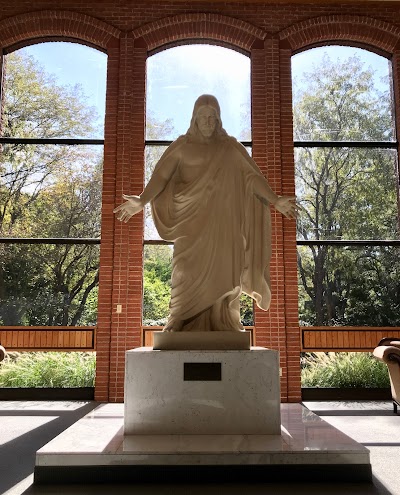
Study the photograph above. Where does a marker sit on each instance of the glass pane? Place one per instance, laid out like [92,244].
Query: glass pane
[50,191]
[48,284]
[342,94]
[178,76]
[349,286]
[54,90]
[156,284]
[157,287]
[346,193]
[246,310]
[153,154]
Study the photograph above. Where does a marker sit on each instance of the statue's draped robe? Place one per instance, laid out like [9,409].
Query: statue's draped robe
[221,234]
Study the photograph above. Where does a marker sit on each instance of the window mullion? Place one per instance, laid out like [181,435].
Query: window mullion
[346,144]
[68,141]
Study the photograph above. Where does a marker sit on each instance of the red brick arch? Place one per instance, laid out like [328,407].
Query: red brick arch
[202,26]
[46,24]
[359,30]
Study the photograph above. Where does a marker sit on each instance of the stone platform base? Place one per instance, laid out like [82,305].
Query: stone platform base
[94,450]
[184,341]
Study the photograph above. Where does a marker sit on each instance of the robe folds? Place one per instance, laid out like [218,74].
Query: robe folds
[222,238]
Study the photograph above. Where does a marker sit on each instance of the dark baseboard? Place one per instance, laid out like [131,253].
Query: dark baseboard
[84,393]
[157,474]
[345,394]
[87,393]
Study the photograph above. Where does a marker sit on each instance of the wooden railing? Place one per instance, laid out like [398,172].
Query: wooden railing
[322,339]
[43,338]
[336,339]
[313,339]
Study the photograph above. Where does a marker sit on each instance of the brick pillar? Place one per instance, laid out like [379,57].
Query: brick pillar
[293,346]
[103,333]
[128,238]
[273,152]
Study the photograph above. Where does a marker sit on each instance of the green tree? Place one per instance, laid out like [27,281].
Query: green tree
[156,284]
[47,191]
[34,105]
[345,193]
[157,258]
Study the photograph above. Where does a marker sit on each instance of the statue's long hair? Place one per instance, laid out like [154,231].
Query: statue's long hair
[206,101]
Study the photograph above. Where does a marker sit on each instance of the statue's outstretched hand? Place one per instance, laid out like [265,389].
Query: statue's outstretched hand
[287,206]
[132,205]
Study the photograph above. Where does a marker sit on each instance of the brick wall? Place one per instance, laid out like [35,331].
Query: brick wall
[128,31]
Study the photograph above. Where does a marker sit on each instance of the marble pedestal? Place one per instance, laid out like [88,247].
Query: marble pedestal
[182,422]
[185,341]
[202,392]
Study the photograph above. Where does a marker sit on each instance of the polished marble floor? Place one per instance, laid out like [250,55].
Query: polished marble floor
[26,426]
[306,443]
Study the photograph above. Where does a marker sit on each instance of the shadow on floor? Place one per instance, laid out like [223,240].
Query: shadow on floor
[17,457]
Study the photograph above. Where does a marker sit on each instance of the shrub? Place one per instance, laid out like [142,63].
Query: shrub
[48,369]
[343,369]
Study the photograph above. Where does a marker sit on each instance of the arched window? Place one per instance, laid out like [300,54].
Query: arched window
[346,170]
[176,77]
[52,119]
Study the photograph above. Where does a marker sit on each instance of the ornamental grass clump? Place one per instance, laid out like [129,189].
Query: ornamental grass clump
[343,370]
[48,369]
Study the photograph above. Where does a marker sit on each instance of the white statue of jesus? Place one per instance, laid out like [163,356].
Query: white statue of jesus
[211,200]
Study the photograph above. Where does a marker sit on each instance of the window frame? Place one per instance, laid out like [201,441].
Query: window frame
[160,242]
[44,141]
[393,144]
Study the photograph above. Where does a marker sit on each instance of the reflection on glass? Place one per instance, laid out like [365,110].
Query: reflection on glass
[54,90]
[346,193]
[48,284]
[349,286]
[342,94]
[176,77]
[50,190]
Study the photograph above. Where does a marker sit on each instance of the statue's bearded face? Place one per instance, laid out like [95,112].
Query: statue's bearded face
[206,120]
